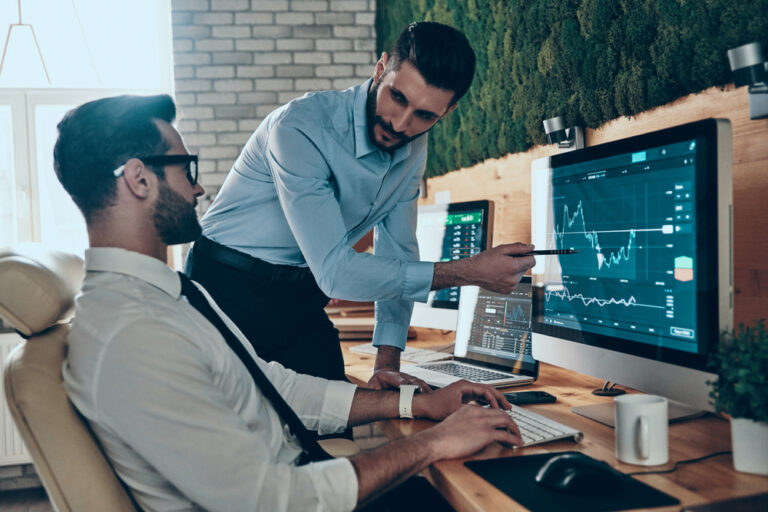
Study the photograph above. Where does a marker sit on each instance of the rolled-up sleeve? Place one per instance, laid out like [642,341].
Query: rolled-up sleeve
[395,237]
[322,405]
[302,178]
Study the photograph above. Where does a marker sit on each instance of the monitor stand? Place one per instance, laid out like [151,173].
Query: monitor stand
[604,413]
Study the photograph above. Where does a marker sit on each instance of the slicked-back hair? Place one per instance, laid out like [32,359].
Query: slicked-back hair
[440,53]
[100,136]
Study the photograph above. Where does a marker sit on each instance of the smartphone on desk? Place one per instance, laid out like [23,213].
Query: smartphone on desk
[529,397]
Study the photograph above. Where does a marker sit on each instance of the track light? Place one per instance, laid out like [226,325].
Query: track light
[750,68]
[566,138]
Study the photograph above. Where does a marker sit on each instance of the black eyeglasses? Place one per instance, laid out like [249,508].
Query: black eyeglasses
[189,161]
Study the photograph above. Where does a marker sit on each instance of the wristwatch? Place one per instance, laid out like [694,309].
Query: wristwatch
[406,400]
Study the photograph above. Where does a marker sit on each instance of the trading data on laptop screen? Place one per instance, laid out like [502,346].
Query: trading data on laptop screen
[500,325]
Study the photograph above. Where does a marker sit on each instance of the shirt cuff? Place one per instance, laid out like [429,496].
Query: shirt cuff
[337,404]
[336,484]
[418,280]
[393,335]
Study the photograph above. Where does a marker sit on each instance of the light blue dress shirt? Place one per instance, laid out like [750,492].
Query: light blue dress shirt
[309,184]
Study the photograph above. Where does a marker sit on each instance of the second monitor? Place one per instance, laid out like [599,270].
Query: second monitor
[447,232]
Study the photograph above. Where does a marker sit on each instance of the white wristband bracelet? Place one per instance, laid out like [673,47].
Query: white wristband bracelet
[406,400]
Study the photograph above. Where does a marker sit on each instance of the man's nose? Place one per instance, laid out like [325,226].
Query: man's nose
[400,122]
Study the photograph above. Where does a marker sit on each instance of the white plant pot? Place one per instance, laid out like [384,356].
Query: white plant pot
[749,440]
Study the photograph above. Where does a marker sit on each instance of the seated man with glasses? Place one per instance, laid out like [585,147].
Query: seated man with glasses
[189,416]
[189,161]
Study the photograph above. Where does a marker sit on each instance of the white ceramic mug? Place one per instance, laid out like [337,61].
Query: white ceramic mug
[641,429]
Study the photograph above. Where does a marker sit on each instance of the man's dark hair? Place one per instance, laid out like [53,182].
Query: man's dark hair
[100,136]
[440,53]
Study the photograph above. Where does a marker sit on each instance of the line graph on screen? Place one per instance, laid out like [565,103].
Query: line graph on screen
[573,233]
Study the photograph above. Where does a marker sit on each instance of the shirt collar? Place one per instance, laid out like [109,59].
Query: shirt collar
[363,145]
[134,264]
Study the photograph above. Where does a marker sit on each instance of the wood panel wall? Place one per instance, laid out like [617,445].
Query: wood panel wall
[507,182]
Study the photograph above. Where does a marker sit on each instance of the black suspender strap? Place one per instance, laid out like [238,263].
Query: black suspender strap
[313,452]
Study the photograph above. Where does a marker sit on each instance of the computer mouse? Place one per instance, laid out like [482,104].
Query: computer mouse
[576,472]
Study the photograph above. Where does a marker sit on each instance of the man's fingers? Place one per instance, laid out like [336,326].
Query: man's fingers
[393,379]
[503,402]
[423,386]
[492,396]
[508,437]
[376,383]
[516,248]
[385,380]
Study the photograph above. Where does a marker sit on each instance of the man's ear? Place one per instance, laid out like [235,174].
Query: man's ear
[381,67]
[138,178]
[449,110]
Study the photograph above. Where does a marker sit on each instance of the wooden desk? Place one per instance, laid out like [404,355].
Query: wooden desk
[710,480]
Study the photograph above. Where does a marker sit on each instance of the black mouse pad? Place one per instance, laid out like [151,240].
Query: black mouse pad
[514,476]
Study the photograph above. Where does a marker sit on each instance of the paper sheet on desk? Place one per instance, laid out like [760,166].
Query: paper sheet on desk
[412,354]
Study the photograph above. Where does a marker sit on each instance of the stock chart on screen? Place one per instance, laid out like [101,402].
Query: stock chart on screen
[631,217]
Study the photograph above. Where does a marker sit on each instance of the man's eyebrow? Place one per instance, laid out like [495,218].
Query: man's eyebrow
[421,110]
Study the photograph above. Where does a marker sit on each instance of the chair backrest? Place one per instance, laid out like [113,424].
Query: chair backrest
[37,289]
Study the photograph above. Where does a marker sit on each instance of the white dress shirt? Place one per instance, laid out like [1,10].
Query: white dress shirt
[176,410]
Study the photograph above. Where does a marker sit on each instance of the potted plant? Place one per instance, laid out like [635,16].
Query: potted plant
[741,391]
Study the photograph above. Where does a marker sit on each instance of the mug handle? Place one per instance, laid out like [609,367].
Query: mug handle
[642,441]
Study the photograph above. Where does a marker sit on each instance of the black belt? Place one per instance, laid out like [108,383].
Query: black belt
[207,248]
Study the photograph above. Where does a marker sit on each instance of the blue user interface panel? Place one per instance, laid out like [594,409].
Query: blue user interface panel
[632,217]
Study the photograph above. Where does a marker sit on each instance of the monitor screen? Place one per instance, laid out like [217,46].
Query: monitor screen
[448,232]
[650,220]
[496,328]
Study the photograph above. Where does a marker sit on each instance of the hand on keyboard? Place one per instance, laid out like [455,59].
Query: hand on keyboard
[391,379]
[470,429]
[439,404]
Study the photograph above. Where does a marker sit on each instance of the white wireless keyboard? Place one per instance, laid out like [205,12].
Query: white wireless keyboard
[537,429]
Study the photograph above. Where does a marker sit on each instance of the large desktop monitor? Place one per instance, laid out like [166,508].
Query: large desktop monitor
[644,300]
[447,232]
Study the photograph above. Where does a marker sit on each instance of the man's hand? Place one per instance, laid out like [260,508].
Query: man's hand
[391,379]
[443,402]
[496,269]
[470,429]
[386,371]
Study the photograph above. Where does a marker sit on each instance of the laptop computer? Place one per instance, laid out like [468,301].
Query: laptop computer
[493,341]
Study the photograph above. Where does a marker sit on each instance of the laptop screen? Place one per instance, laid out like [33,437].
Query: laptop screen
[496,328]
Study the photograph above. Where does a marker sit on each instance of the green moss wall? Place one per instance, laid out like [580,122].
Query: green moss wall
[589,61]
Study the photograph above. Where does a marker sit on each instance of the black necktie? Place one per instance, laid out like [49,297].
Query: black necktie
[313,452]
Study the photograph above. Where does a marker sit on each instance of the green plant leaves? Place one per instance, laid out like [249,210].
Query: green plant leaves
[741,363]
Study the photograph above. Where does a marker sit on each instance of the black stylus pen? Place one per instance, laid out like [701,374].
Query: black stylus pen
[545,252]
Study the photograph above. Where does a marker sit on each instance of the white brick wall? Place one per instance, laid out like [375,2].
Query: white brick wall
[237,60]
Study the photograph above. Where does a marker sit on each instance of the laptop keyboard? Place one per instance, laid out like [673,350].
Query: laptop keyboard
[472,373]
[537,429]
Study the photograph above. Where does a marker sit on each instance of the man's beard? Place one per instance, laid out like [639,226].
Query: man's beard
[175,218]
[372,120]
